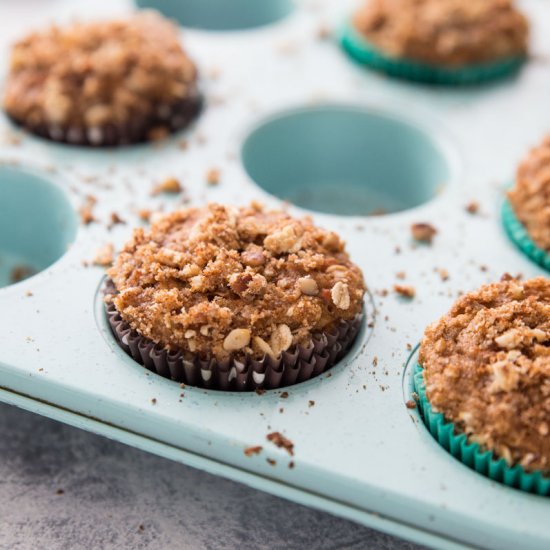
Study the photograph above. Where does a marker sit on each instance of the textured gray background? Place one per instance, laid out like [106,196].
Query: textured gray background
[110,490]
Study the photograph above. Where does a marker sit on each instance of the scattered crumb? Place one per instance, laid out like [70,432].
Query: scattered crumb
[141,527]
[183,144]
[271,462]
[60,492]
[29,293]
[508,277]
[291,465]
[144,214]
[259,391]
[378,212]
[287,47]
[472,207]
[154,401]
[104,256]
[284,395]
[249,451]
[278,439]
[115,220]
[86,210]
[20,273]
[311,403]
[213,176]
[169,185]
[400,275]
[324,32]
[411,404]
[406,291]
[423,232]
[443,273]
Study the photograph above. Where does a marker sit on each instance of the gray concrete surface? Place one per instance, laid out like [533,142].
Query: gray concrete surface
[63,488]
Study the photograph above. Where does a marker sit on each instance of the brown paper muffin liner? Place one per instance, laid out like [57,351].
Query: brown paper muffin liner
[171,117]
[238,373]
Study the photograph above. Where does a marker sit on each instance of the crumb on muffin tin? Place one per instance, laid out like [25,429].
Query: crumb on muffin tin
[487,369]
[219,280]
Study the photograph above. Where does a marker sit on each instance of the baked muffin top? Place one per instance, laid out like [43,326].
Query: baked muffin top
[487,369]
[530,197]
[220,280]
[92,74]
[444,32]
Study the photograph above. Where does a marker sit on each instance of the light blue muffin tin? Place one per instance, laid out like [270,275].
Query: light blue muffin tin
[287,109]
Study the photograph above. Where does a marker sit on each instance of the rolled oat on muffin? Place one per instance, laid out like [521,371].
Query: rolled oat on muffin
[486,367]
[104,83]
[239,288]
[530,196]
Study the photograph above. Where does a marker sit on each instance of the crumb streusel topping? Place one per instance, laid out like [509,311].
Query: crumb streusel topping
[487,369]
[220,279]
[92,74]
[445,32]
[530,197]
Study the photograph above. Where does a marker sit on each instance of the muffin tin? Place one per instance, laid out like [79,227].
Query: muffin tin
[288,116]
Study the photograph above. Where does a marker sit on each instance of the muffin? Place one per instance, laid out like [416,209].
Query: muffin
[486,370]
[235,298]
[527,212]
[103,83]
[441,41]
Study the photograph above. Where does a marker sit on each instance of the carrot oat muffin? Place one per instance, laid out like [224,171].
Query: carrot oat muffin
[103,83]
[486,369]
[409,37]
[529,200]
[238,291]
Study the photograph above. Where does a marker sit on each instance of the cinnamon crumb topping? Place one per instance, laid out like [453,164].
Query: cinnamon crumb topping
[453,32]
[223,280]
[530,197]
[87,75]
[487,369]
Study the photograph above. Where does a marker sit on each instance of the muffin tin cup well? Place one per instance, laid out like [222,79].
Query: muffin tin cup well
[471,454]
[239,373]
[362,51]
[170,117]
[520,237]
[37,223]
[222,15]
[341,158]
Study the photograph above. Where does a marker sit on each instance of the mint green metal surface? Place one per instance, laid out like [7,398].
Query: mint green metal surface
[363,52]
[358,451]
[521,238]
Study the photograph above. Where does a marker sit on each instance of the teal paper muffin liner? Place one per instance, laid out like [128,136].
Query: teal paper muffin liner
[520,237]
[364,52]
[471,454]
